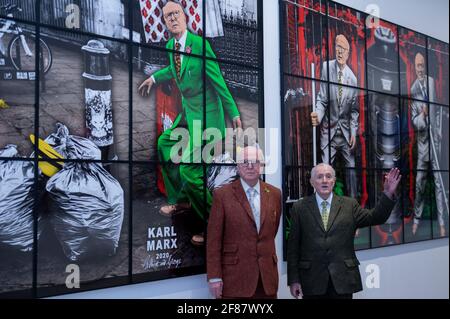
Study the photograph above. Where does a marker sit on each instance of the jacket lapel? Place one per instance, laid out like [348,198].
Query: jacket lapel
[242,199]
[314,210]
[336,205]
[186,57]
[265,200]
[171,60]
[334,88]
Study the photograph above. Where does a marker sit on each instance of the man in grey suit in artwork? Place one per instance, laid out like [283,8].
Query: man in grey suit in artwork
[342,124]
[424,90]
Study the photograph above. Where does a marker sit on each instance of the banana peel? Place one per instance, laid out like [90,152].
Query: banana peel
[45,151]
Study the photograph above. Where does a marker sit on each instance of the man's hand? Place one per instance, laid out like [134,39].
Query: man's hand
[391,181]
[215,288]
[296,290]
[237,127]
[314,118]
[352,142]
[425,110]
[146,91]
[237,123]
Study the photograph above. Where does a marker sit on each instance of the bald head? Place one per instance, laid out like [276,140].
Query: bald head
[342,50]
[419,64]
[342,41]
[323,178]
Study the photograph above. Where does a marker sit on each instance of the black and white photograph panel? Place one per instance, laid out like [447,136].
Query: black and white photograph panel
[107,18]
[84,210]
[169,220]
[17,224]
[18,83]
[86,91]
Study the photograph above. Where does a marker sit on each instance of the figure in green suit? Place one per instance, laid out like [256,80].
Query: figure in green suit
[184,183]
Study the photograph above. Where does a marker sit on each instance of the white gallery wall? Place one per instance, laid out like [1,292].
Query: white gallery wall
[418,270]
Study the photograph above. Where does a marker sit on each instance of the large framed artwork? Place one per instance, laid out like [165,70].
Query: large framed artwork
[91,193]
[379,93]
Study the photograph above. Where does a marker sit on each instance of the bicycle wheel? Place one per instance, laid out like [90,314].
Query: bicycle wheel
[22,61]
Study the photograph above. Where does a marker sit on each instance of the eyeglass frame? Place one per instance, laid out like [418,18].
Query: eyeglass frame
[246,163]
[340,48]
[174,15]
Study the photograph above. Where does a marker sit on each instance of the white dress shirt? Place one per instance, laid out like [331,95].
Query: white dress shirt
[320,200]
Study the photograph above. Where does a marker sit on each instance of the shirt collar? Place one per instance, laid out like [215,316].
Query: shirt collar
[423,85]
[319,200]
[245,186]
[182,41]
[338,69]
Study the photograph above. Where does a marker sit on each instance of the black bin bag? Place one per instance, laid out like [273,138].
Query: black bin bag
[86,202]
[84,147]
[16,201]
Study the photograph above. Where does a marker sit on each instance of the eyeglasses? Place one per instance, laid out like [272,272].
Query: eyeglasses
[172,15]
[341,49]
[247,163]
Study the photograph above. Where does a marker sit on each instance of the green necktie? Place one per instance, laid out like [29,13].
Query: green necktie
[325,214]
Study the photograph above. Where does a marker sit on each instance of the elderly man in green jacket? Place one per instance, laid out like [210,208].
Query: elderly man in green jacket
[184,183]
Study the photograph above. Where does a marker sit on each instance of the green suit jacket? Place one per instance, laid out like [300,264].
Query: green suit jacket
[190,84]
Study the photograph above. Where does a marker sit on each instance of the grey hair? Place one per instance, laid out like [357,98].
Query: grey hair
[314,169]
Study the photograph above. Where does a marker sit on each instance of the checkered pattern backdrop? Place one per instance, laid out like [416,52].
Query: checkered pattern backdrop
[155,30]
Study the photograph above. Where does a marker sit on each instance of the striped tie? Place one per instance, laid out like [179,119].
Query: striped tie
[340,88]
[177,59]
[424,93]
[325,214]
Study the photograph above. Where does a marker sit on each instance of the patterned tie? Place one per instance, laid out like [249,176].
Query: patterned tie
[251,193]
[340,87]
[325,214]
[424,93]
[177,59]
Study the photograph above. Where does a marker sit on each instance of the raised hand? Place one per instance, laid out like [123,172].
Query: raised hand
[391,181]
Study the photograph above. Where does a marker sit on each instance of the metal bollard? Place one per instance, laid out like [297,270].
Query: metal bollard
[97,90]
